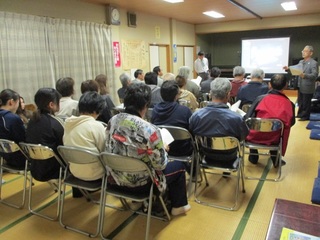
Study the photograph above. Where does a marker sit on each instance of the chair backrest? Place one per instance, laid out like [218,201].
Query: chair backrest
[218,143]
[204,104]
[8,146]
[148,114]
[178,133]
[245,107]
[39,152]
[219,149]
[78,155]
[184,102]
[206,96]
[265,124]
[125,164]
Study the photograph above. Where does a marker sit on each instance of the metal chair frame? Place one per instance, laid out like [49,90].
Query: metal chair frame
[38,152]
[220,144]
[79,155]
[7,146]
[179,133]
[265,125]
[127,164]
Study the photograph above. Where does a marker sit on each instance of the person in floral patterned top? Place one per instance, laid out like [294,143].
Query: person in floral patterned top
[129,135]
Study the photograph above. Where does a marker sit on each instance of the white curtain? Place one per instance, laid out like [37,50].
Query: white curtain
[36,51]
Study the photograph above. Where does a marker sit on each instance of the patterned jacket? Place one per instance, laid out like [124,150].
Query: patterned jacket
[131,136]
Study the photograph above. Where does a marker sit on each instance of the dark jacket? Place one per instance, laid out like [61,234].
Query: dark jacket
[48,131]
[12,128]
[173,114]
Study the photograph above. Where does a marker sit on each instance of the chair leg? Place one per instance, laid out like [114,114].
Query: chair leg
[58,191]
[24,193]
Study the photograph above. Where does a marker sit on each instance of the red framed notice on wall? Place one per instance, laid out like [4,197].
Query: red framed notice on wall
[116,54]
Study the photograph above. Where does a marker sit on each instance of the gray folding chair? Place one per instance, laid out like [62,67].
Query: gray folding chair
[10,147]
[38,152]
[265,126]
[125,164]
[149,114]
[225,146]
[77,155]
[179,133]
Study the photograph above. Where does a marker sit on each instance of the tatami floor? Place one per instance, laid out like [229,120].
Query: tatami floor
[250,221]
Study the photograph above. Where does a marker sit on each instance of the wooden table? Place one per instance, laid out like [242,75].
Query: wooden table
[294,215]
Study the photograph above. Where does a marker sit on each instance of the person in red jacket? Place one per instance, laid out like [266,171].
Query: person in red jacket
[272,105]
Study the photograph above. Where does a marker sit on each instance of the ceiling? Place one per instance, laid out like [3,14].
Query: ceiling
[190,11]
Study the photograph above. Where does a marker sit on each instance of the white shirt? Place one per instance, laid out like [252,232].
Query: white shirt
[67,106]
[201,65]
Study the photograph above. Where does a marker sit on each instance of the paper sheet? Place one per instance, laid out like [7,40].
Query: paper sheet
[197,80]
[235,108]
[295,70]
[288,234]
[166,136]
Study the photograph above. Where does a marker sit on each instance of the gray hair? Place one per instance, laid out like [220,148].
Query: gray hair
[168,76]
[220,87]
[257,73]
[310,48]
[125,79]
[184,71]
[238,71]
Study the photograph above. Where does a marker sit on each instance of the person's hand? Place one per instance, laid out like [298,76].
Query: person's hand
[302,75]
[285,68]
[166,147]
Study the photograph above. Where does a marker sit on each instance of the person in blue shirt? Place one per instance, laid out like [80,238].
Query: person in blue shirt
[11,126]
[170,112]
[249,92]
[217,120]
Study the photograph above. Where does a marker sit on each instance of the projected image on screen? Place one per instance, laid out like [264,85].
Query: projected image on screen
[269,54]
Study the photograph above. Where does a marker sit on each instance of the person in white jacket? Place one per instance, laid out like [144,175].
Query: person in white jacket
[84,131]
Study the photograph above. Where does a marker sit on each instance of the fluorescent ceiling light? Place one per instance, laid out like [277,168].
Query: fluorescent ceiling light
[289,6]
[213,14]
[174,1]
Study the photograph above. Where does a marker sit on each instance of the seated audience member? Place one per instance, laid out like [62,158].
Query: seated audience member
[217,120]
[125,81]
[191,86]
[91,85]
[23,113]
[129,135]
[101,79]
[151,80]
[168,76]
[11,126]
[249,92]
[68,106]
[159,73]
[169,112]
[205,85]
[238,80]
[44,128]
[272,105]
[139,76]
[85,132]
[185,94]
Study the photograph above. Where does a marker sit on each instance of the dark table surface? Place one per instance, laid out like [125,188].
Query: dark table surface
[294,215]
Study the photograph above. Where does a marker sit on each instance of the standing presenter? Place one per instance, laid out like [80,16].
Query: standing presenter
[201,66]
[306,82]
